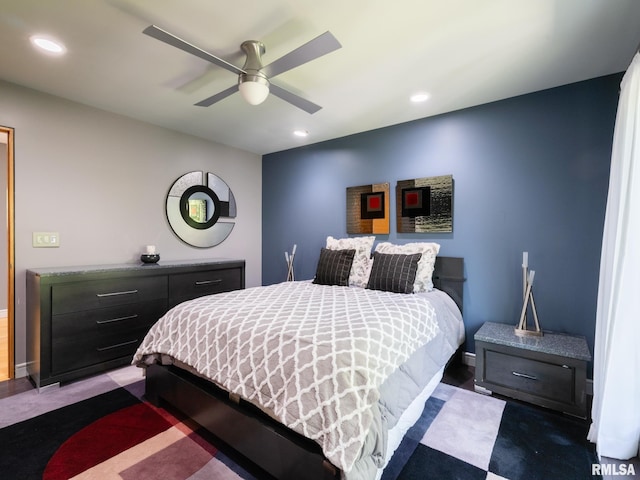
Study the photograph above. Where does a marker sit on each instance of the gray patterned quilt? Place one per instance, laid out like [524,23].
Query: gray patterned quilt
[314,357]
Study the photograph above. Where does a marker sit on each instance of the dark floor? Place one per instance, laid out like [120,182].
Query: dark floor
[15,386]
[456,374]
[459,375]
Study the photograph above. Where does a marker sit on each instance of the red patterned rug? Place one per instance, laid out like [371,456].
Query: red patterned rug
[136,442]
[112,435]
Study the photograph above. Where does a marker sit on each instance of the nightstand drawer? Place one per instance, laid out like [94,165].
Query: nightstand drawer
[539,378]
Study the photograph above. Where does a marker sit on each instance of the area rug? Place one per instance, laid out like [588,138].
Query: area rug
[109,431]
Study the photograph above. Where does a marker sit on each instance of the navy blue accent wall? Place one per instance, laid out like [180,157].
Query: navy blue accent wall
[530,174]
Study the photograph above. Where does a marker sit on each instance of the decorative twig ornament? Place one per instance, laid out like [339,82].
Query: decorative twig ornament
[289,259]
[527,297]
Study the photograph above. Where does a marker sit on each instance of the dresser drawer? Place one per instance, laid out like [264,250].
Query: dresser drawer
[71,354]
[77,326]
[539,378]
[80,296]
[186,286]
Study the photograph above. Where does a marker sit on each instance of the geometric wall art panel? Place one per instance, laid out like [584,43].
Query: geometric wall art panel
[425,205]
[368,209]
[416,202]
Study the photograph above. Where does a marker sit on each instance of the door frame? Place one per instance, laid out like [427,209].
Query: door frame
[10,249]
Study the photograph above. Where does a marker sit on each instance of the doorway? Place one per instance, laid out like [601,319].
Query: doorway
[7,366]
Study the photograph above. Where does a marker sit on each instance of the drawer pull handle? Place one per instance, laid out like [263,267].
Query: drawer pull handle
[208,282]
[110,347]
[113,294]
[119,319]
[524,375]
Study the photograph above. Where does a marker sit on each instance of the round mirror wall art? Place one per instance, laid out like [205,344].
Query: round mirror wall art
[200,208]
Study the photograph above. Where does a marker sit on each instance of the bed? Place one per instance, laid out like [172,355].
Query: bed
[282,390]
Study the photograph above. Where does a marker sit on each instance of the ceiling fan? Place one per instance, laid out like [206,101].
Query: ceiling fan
[254,79]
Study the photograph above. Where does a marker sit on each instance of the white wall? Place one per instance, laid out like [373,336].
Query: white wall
[101,180]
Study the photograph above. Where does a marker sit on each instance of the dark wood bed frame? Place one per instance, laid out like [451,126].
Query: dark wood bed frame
[263,446]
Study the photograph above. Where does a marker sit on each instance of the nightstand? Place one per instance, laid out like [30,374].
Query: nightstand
[549,371]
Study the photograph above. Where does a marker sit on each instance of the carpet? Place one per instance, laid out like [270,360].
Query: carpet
[100,428]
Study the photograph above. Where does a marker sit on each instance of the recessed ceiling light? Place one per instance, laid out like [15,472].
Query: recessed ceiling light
[48,44]
[301,133]
[419,97]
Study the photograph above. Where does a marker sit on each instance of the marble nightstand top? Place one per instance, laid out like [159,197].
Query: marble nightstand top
[570,346]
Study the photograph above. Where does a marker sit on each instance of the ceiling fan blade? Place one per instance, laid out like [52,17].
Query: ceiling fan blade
[294,99]
[319,46]
[218,96]
[169,38]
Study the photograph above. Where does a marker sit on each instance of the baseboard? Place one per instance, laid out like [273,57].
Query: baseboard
[21,370]
[469,359]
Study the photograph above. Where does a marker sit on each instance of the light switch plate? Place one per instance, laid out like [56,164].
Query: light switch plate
[46,239]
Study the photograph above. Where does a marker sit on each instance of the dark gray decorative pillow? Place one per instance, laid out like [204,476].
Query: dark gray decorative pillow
[393,272]
[334,267]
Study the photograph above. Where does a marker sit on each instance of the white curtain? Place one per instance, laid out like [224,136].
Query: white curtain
[616,377]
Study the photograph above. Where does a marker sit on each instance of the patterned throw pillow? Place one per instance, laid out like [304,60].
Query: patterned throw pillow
[429,251]
[393,272]
[334,267]
[362,259]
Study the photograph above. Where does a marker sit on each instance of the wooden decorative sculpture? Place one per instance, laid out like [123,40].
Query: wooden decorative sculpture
[289,259]
[527,297]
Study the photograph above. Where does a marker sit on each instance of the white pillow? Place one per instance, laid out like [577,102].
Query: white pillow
[429,251]
[359,275]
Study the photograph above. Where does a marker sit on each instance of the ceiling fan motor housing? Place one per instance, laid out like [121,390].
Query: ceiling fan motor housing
[253,50]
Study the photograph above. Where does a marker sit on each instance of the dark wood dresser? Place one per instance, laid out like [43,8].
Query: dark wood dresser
[84,320]
[549,371]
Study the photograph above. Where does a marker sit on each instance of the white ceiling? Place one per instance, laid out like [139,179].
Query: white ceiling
[463,52]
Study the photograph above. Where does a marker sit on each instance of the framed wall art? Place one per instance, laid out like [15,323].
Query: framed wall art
[368,209]
[425,205]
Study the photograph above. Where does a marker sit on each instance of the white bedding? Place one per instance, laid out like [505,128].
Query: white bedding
[408,419]
[314,357]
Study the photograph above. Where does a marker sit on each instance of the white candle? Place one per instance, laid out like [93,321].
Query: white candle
[293,252]
[525,259]
[151,249]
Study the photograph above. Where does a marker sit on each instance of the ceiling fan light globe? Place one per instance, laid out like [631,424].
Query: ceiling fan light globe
[254,90]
